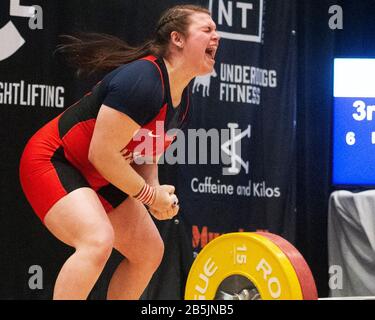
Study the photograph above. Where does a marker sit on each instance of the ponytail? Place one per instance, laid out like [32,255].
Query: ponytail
[92,53]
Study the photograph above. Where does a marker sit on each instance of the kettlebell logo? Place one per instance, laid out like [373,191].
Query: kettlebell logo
[10,38]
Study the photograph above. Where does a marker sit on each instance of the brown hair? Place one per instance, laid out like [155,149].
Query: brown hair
[90,53]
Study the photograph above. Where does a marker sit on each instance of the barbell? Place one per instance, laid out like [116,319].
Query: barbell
[250,266]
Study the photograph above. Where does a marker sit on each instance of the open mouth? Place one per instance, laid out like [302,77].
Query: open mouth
[211,52]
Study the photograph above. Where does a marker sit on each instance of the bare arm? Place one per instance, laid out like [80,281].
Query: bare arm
[113,130]
[149,172]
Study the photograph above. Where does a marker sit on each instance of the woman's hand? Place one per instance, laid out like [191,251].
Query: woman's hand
[165,205]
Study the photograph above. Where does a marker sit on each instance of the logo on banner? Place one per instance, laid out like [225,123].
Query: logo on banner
[238,83]
[204,82]
[238,20]
[10,38]
[232,148]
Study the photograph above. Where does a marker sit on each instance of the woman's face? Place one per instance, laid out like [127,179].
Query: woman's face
[201,44]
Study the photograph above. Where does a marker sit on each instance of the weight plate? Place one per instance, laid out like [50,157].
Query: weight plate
[252,256]
[301,267]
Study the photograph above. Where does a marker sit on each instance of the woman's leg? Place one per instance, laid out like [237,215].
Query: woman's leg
[79,220]
[138,239]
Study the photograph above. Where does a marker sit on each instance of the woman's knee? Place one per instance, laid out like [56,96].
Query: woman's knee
[149,254]
[154,254]
[98,246]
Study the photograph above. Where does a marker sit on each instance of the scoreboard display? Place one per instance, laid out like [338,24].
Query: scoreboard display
[354,123]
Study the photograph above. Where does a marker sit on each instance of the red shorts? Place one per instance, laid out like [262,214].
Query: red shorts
[47,176]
